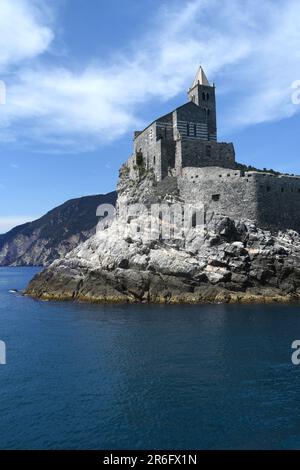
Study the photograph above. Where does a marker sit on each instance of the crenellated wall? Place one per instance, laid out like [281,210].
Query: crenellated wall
[222,191]
[271,201]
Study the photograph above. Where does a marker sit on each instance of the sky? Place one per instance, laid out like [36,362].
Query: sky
[80,77]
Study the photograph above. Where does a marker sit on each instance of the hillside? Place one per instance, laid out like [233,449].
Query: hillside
[40,242]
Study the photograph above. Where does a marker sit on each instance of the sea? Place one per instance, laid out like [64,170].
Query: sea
[80,376]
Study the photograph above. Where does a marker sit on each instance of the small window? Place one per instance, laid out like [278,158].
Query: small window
[215,197]
[154,160]
[207,96]
[268,189]
[194,220]
[203,96]
[282,190]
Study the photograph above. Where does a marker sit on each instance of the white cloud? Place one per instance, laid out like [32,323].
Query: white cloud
[22,36]
[7,223]
[251,48]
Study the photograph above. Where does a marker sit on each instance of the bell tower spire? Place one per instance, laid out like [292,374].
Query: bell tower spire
[200,78]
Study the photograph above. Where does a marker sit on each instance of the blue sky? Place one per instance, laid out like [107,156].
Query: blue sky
[81,76]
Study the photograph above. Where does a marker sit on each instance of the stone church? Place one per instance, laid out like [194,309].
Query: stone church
[185,137]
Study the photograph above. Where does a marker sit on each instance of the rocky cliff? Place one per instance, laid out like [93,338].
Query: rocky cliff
[53,235]
[219,260]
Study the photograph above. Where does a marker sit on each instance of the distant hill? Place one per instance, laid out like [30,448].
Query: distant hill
[40,242]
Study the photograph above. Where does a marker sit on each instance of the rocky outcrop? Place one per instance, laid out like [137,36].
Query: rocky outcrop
[220,260]
[55,234]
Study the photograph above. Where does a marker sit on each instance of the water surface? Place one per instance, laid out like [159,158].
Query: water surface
[84,376]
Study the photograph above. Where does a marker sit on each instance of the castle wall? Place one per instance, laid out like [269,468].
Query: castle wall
[198,153]
[271,201]
[278,201]
[222,191]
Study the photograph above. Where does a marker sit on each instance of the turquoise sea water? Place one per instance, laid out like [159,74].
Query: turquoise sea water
[146,377]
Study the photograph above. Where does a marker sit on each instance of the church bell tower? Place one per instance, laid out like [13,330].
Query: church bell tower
[203,94]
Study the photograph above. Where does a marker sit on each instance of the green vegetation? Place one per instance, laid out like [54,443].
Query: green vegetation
[243,167]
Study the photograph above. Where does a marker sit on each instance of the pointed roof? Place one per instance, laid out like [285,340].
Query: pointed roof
[200,78]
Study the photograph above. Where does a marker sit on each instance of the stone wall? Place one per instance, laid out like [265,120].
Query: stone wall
[191,121]
[271,201]
[278,200]
[198,153]
[157,147]
[222,191]
[166,150]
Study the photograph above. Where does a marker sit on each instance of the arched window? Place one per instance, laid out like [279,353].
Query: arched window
[203,96]
[207,96]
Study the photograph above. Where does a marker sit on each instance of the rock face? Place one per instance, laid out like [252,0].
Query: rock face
[53,235]
[219,260]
